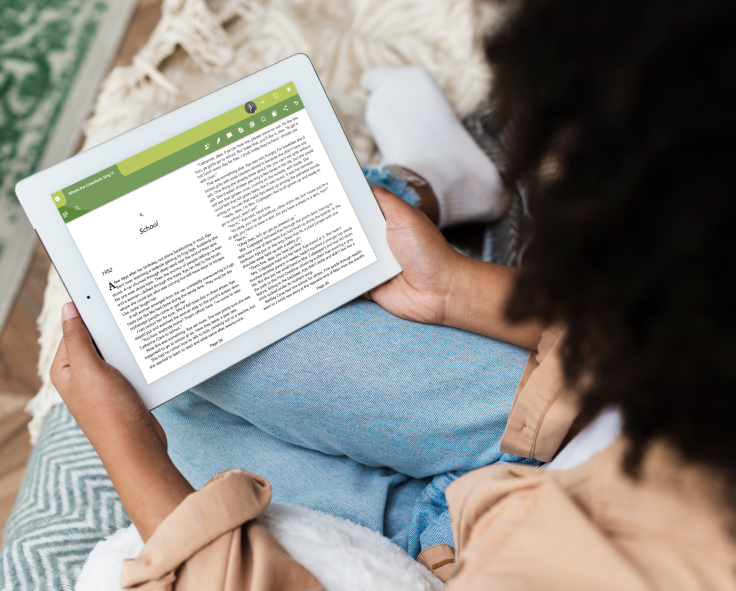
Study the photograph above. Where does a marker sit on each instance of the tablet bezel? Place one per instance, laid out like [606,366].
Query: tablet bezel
[35,192]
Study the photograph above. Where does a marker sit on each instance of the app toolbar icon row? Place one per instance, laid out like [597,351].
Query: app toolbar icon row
[251,124]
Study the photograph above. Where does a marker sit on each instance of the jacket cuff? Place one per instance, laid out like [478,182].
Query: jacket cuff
[229,500]
[544,408]
[440,559]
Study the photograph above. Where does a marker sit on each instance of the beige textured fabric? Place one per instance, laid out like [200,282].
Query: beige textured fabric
[543,409]
[440,559]
[591,528]
[221,41]
[213,541]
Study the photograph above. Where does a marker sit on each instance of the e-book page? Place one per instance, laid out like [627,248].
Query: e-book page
[205,236]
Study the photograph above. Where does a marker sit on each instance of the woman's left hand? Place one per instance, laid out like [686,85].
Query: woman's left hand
[103,402]
[126,436]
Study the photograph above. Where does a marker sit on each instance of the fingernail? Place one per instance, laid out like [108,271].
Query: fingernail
[69,311]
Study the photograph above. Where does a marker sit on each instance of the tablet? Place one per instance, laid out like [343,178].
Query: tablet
[197,239]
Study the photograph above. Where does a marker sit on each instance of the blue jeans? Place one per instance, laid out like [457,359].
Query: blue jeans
[360,414]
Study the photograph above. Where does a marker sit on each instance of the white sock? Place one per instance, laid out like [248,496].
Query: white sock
[415,127]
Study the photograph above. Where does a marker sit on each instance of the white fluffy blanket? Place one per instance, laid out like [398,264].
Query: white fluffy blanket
[342,555]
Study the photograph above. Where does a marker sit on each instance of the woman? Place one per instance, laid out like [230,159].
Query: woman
[621,114]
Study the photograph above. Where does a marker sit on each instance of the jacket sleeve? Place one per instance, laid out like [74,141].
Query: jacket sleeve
[213,540]
[516,528]
[544,407]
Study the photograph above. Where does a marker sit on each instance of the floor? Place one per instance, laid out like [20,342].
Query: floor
[18,342]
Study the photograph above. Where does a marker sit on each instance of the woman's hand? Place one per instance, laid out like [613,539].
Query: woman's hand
[126,436]
[441,286]
[421,292]
[102,401]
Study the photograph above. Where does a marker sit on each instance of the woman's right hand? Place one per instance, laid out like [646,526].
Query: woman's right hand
[441,286]
[421,292]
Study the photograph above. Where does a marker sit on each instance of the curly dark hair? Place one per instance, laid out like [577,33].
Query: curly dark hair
[622,125]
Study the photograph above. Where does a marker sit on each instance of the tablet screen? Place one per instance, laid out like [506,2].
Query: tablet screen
[214,231]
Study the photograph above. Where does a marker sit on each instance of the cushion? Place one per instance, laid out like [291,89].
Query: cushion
[65,506]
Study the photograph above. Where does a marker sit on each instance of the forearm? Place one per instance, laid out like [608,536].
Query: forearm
[127,437]
[149,485]
[476,302]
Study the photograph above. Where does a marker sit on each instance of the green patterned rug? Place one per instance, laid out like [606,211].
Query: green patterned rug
[53,55]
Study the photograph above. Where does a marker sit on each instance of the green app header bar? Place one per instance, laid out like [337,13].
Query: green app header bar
[107,185]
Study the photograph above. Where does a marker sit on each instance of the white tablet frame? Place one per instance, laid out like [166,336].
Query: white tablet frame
[35,197]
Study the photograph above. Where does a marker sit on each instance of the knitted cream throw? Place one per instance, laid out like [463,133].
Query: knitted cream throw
[224,40]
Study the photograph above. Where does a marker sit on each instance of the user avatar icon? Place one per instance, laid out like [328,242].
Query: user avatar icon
[251,107]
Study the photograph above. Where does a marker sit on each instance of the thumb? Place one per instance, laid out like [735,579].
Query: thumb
[77,339]
[395,210]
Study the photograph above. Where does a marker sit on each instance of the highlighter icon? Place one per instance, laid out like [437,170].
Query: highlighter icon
[218,140]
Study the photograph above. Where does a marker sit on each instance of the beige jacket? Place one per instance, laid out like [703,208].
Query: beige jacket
[590,528]
[515,527]
[213,541]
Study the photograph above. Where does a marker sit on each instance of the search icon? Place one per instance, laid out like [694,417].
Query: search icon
[77,207]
